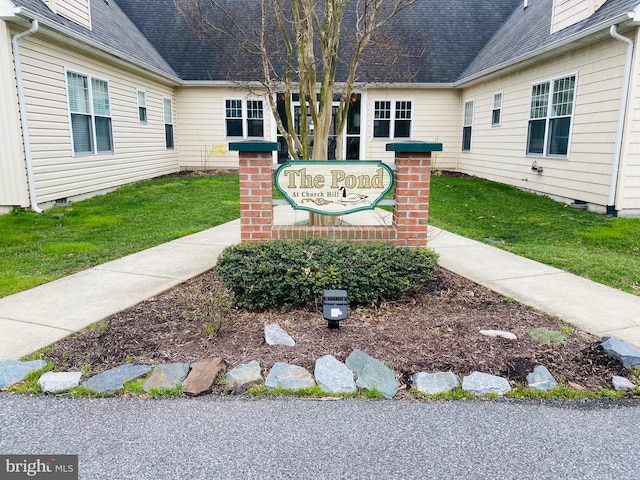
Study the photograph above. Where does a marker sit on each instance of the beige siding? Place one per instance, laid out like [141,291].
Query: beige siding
[139,149]
[568,12]
[498,153]
[13,179]
[78,11]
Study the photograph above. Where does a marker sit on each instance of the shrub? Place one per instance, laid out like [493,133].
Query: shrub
[281,273]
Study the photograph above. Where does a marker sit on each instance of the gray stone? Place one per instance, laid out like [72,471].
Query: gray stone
[52,382]
[498,333]
[372,374]
[243,377]
[167,375]
[622,384]
[203,374]
[334,376]
[434,383]
[479,383]
[112,380]
[14,371]
[622,351]
[275,335]
[541,379]
[288,376]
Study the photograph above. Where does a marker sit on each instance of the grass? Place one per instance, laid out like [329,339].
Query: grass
[39,248]
[606,250]
[547,336]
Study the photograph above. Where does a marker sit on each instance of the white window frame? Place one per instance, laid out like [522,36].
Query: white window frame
[549,116]
[142,106]
[244,118]
[467,122]
[168,121]
[498,99]
[395,112]
[90,113]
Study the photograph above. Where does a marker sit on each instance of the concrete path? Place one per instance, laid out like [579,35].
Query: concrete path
[42,315]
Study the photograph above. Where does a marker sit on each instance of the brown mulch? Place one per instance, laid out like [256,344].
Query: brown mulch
[435,329]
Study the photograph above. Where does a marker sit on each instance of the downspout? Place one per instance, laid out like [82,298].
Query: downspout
[23,114]
[611,208]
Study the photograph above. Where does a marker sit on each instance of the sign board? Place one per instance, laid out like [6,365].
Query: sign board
[334,187]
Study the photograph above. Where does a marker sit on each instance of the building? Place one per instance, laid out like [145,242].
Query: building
[539,94]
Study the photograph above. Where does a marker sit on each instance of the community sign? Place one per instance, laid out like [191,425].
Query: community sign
[334,187]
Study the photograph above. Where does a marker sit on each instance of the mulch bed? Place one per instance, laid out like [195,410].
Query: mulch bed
[435,329]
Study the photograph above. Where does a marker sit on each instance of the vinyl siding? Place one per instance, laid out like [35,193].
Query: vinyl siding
[499,153]
[139,149]
[78,11]
[13,178]
[569,12]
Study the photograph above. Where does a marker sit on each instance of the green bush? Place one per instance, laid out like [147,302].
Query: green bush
[282,273]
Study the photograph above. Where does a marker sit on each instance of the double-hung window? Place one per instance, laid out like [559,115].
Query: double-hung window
[142,106]
[90,113]
[383,113]
[168,123]
[550,115]
[467,125]
[496,112]
[244,119]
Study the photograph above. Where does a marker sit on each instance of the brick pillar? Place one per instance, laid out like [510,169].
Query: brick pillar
[256,189]
[411,193]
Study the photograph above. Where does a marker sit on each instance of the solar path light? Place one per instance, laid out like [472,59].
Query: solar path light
[334,306]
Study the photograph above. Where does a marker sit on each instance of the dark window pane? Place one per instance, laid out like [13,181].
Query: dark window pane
[142,114]
[402,129]
[381,128]
[559,135]
[495,117]
[234,128]
[103,134]
[168,135]
[466,138]
[255,127]
[535,140]
[82,133]
[353,148]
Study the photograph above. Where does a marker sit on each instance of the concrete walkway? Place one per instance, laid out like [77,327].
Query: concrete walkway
[35,318]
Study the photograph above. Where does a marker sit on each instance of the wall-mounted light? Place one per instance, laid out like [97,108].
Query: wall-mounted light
[536,168]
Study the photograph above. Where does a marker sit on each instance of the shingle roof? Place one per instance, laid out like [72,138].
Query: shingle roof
[111,28]
[529,30]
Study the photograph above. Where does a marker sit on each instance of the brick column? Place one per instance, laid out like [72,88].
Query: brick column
[411,193]
[256,189]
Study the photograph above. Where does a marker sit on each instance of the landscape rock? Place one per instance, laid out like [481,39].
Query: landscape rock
[372,374]
[167,375]
[498,333]
[434,383]
[333,376]
[291,377]
[52,382]
[114,379]
[243,377]
[622,384]
[203,374]
[622,351]
[275,335]
[541,379]
[14,371]
[479,383]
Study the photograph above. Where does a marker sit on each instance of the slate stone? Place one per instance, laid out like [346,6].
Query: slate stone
[622,384]
[479,383]
[166,375]
[112,380]
[203,374]
[243,377]
[498,333]
[434,383]
[14,371]
[372,374]
[52,382]
[622,351]
[333,376]
[541,379]
[275,335]
[291,377]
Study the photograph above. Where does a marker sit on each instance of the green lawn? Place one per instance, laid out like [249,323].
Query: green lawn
[38,248]
[606,250]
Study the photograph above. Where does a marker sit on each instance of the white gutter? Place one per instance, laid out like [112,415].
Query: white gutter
[23,114]
[621,117]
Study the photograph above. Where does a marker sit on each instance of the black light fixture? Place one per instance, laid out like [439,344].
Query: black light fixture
[334,306]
